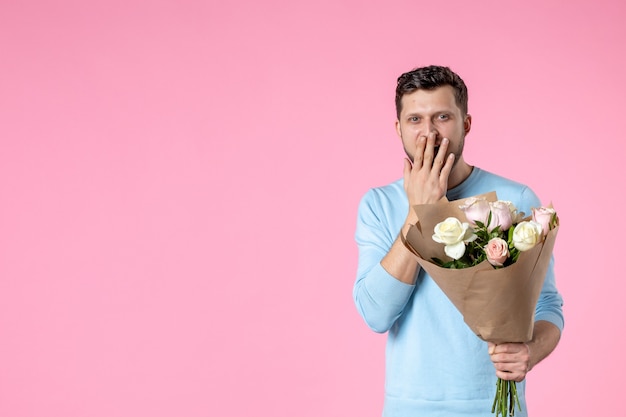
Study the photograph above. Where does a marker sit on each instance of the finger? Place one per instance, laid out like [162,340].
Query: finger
[418,158]
[507,376]
[445,171]
[440,158]
[520,377]
[512,348]
[514,375]
[429,152]
[511,376]
[441,152]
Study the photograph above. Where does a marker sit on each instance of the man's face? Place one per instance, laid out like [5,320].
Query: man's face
[432,111]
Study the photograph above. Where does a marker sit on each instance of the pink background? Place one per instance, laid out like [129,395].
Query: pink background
[179,183]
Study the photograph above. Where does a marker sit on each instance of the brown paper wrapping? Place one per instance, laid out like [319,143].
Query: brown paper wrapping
[497,304]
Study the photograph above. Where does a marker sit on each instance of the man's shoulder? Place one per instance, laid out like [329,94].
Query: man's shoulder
[391,188]
[392,191]
[389,198]
[481,178]
[506,188]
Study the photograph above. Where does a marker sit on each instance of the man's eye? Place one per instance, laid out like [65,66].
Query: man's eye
[414,119]
[443,117]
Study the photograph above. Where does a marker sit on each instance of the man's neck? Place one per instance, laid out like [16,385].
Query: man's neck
[459,173]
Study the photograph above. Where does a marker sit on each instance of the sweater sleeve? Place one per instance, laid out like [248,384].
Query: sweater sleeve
[550,303]
[379,297]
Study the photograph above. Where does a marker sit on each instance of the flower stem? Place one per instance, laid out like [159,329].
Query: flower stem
[519,406]
[505,399]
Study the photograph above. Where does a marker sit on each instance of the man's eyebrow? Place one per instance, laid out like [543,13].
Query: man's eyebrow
[434,113]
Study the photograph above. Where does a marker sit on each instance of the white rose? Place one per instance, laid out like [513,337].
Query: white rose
[526,235]
[454,235]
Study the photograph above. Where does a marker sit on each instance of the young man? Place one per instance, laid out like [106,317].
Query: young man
[435,365]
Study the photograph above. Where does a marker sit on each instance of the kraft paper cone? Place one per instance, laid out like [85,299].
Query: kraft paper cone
[497,304]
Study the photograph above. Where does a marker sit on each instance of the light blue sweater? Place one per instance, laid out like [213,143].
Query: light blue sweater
[435,365]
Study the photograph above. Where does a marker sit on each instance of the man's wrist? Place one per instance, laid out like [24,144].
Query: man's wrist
[411,218]
[530,358]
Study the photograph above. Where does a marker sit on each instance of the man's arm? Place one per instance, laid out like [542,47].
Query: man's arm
[400,262]
[425,181]
[387,269]
[546,337]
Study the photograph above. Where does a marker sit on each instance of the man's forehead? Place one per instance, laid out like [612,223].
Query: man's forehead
[440,98]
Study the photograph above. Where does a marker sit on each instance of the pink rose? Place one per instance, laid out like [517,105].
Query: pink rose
[500,216]
[546,217]
[516,216]
[497,251]
[476,210]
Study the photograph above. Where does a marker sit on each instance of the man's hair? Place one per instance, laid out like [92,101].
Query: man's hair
[429,78]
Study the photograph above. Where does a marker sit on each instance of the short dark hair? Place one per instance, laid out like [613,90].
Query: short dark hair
[429,78]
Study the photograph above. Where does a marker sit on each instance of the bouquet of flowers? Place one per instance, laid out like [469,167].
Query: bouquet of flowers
[491,262]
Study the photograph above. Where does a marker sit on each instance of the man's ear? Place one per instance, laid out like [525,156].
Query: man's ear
[398,129]
[467,123]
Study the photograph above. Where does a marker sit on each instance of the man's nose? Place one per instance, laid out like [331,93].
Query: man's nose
[430,128]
